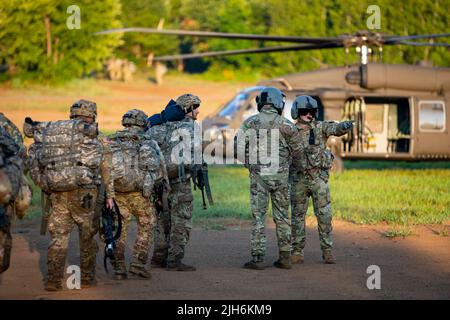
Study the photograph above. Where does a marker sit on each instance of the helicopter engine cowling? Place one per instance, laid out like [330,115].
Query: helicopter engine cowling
[404,77]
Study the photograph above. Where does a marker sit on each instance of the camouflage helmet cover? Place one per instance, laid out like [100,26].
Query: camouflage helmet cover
[271,96]
[188,102]
[134,117]
[83,108]
[303,103]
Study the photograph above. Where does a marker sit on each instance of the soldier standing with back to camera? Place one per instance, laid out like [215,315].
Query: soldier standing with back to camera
[268,182]
[134,203]
[75,206]
[312,180]
[173,230]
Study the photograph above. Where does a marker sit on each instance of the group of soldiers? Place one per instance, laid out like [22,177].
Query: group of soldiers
[161,198]
[302,172]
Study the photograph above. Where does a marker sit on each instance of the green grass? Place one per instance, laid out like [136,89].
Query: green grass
[394,196]
[398,197]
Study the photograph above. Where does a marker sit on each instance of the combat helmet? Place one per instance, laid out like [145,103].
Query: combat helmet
[303,105]
[134,117]
[271,96]
[188,102]
[83,108]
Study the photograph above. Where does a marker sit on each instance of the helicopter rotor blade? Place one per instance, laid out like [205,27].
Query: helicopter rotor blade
[224,35]
[424,44]
[244,51]
[396,39]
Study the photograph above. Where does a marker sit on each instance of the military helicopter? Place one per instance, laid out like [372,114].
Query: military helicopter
[400,111]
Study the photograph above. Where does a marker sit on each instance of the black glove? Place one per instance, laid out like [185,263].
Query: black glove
[347,125]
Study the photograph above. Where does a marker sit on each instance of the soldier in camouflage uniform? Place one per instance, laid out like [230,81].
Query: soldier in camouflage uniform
[173,228]
[134,204]
[77,208]
[11,167]
[14,133]
[23,199]
[312,180]
[269,179]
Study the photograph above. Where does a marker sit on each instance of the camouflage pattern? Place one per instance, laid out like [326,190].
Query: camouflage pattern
[267,182]
[14,133]
[83,108]
[312,181]
[78,207]
[11,167]
[188,102]
[134,204]
[173,228]
[69,209]
[65,155]
[135,117]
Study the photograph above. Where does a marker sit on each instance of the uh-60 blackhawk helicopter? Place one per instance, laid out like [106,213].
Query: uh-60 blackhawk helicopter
[400,111]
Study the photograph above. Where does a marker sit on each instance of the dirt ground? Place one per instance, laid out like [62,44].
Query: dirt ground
[417,267]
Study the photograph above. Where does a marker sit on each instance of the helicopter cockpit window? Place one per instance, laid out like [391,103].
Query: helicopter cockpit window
[233,106]
[431,116]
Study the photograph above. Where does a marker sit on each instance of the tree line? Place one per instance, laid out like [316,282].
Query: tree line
[36,42]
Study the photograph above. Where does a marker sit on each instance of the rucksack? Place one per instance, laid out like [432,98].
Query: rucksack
[65,155]
[136,162]
[172,112]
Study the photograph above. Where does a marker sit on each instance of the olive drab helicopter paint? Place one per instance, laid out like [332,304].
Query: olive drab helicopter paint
[400,111]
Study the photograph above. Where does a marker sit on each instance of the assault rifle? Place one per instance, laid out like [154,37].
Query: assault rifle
[201,181]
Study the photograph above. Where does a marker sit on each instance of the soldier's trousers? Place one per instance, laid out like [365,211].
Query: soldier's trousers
[173,229]
[70,209]
[134,204]
[259,202]
[317,188]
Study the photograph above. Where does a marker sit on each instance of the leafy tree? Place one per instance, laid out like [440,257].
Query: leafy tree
[36,42]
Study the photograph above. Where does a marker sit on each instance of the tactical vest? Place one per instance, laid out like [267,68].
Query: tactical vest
[65,155]
[136,162]
[263,147]
[168,140]
[317,155]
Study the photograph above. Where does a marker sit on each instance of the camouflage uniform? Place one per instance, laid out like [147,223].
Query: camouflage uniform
[13,132]
[312,181]
[265,184]
[134,204]
[77,207]
[174,227]
[11,167]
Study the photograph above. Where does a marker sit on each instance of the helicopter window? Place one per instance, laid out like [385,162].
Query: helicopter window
[233,106]
[431,116]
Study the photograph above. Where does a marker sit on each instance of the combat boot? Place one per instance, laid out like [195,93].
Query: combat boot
[179,266]
[327,257]
[297,258]
[257,263]
[139,270]
[120,272]
[158,263]
[284,261]
[53,286]
[88,282]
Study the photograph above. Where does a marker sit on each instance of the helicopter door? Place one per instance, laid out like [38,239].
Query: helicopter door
[431,121]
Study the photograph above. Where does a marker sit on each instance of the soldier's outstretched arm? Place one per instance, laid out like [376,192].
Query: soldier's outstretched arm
[331,128]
